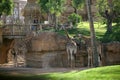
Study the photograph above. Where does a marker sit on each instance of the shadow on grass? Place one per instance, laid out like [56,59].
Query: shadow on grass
[24,77]
[113,36]
[75,31]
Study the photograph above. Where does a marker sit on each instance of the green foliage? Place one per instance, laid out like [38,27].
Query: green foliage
[1,23]
[43,6]
[52,6]
[100,31]
[113,8]
[72,18]
[114,36]
[83,28]
[78,3]
[55,6]
[6,7]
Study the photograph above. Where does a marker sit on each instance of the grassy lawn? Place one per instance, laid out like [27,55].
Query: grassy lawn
[100,31]
[100,73]
[83,28]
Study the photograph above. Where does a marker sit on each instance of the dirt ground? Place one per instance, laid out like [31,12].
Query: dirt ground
[16,71]
[10,69]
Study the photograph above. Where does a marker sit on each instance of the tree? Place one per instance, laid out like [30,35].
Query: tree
[110,11]
[43,5]
[77,4]
[53,7]
[44,9]
[93,38]
[6,7]
[72,18]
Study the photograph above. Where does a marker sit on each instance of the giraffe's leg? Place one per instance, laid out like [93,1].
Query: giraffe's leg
[88,62]
[71,59]
[15,59]
[91,61]
[99,60]
[68,57]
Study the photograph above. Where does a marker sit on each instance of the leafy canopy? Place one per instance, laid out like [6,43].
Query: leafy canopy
[77,3]
[111,6]
[52,6]
[6,7]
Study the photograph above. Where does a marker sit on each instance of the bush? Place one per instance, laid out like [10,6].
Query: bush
[114,36]
[74,18]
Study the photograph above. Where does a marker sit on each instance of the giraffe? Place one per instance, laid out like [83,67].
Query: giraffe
[90,55]
[71,49]
[19,48]
[87,41]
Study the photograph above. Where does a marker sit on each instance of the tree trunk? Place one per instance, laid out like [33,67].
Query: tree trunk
[55,21]
[1,38]
[49,18]
[76,12]
[110,15]
[109,25]
[77,17]
[93,38]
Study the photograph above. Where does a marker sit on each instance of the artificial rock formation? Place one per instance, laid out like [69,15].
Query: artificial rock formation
[32,15]
[112,53]
[47,50]
[31,11]
[4,48]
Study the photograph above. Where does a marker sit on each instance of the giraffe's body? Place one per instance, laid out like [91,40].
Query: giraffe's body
[87,41]
[71,48]
[90,57]
[19,48]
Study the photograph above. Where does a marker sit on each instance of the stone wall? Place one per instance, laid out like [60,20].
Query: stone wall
[112,53]
[46,59]
[6,45]
[48,49]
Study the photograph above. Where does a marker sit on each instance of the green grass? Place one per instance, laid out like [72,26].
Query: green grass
[100,31]
[114,36]
[99,73]
[83,28]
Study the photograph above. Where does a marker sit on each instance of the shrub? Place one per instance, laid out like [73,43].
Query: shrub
[74,18]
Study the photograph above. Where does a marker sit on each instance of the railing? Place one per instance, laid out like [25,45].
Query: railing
[14,30]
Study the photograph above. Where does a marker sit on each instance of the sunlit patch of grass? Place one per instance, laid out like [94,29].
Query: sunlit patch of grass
[84,29]
[100,73]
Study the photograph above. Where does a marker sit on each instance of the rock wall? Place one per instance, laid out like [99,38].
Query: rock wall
[6,45]
[46,59]
[47,50]
[112,53]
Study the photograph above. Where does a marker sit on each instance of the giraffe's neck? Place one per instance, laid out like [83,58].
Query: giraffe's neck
[68,37]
